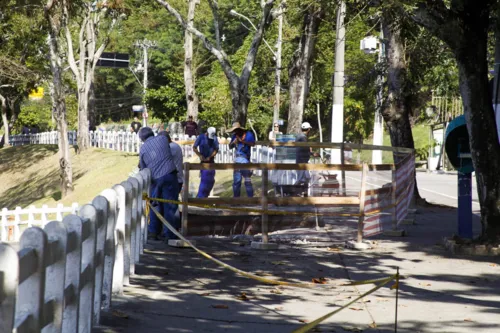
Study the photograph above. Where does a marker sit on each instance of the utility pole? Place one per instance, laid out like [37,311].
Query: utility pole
[145,45]
[337,126]
[378,125]
[277,79]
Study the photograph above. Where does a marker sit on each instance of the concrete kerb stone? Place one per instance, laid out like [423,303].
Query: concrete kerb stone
[470,249]
[395,233]
[364,245]
[264,246]
[180,243]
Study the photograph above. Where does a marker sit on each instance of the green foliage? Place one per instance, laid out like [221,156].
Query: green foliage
[39,113]
[168,102]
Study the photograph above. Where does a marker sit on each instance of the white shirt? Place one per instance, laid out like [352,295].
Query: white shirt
[178,160]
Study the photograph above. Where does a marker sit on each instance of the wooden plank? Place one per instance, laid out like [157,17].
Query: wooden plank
[362,203]
[274,166]
[225,201]
[265,220]
[277,201]
[185,198]
[314,201]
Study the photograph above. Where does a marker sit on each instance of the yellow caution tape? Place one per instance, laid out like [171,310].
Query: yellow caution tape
[313,324]
[262,211]
[220,263]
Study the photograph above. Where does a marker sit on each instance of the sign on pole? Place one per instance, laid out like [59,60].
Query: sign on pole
[138,108]
[113,60]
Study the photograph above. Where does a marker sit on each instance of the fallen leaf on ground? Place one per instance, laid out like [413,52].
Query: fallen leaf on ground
[468,319]
[120,314]
[277,263]
[396,285]
[305,321]
[320,280]
[278,308]
[276,291]
[367,301]
[373,325]
[334,249]
[493,265]
[425,284]
[242,297]
[261,274]
[356,309]
[206,294]
[220,306]
[382,299]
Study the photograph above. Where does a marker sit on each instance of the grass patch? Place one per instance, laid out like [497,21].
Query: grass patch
[30,174]
[420,137]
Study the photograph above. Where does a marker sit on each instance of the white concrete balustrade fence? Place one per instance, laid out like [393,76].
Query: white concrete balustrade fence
[64,273]
[29,217]
[130,142]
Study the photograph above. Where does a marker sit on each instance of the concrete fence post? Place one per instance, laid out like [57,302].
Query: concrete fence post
[55,273]
[141,221]
[118,268]
[102,207]
[31,290]
[136,221]
[87,278]
[4,229]
[9,279]
[109,248]
[146,175]
[127,262]
[73,225]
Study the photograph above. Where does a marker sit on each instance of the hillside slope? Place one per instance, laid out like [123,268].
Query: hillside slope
[30,174]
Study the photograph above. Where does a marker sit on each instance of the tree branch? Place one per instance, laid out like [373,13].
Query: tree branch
[215,12]
[257,38]
[438,19]
[219,54]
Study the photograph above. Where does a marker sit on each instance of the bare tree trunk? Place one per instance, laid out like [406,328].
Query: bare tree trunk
[394,110]
[91,107]
[300,69]
[83,119]
[469,46]
[238,85]
[189,75]
[57,95]
[5,122]
[481,125]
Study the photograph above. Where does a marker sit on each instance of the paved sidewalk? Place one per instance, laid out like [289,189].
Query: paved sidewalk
[177,290]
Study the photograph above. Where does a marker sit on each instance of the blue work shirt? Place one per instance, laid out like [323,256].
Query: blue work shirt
[206,146]
[155,155]
[244,150]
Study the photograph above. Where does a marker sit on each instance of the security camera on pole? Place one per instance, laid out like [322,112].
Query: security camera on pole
[145,45]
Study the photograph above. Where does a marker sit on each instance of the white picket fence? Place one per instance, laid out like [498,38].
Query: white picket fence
[130,142]
[65,273]
[29,217]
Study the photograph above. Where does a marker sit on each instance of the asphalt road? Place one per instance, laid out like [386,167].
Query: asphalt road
[435,188]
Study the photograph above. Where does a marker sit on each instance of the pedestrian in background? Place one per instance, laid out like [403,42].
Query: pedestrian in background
[242,141]
[303,154]
[190,127]
[156,155]
[206,147]
[135,125]
[274,131]
[178,158]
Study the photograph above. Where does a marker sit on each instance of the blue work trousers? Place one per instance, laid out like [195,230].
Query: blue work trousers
[207,181]
[165,187]
[237,175]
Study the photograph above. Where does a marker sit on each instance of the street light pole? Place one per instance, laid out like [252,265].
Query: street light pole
[378,125]
[337,126]
[145,45]
[277,79]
